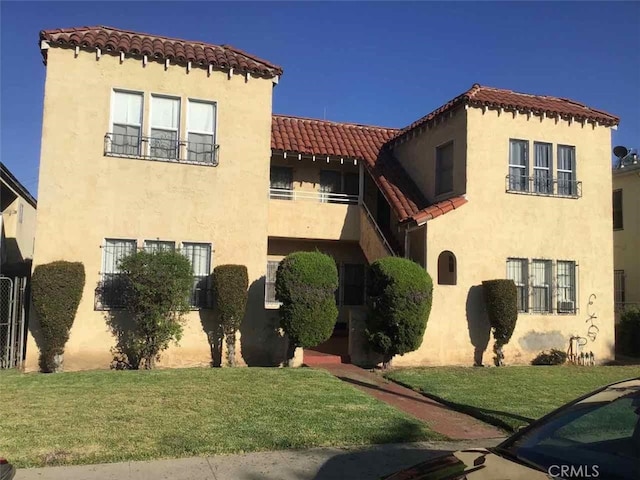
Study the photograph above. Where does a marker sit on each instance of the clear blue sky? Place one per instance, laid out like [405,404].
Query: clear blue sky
[372,63]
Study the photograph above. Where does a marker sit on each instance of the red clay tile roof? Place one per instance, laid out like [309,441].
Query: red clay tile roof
[159,48]
[321,137]
[490,97]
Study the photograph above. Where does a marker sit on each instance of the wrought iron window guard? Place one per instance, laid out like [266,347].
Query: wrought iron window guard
[160,149]
[543,186]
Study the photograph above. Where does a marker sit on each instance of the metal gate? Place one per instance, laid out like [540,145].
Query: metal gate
[12,321]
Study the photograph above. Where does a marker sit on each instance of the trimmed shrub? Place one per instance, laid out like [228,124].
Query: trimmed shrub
[56,290]
[552,357]
[400,297]
[230,287]
[501,298]
[305,284]
[156,292]
[628,333]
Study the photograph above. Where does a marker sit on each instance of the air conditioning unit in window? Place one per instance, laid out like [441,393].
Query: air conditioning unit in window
[566,306]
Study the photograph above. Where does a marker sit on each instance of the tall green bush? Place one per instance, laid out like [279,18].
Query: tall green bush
[628,333]
[56,290]
[501,299]
[305,284]
[156,288]
[400,297]
[230,286]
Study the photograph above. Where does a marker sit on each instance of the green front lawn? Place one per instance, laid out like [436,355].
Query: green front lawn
[109,416]
[509,396]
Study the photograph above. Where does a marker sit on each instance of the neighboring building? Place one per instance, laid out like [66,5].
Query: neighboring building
[17,226]
[162,143]
[626,232]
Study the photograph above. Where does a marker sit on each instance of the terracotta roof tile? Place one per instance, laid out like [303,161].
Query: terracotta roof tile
[490,97]
[159,48]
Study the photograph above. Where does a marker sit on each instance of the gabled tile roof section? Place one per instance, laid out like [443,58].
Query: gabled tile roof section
[159,48]
[438,209]
[310,136]
[489,97]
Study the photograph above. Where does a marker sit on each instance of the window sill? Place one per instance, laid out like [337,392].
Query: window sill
[160,159]
[272,305]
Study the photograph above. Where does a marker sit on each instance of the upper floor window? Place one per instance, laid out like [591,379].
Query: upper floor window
[519,165]
[339,187]
[542,172]
[201,124]
[126,122]
[165,120]
[444,169]
[566,170]
[618,223]
[281,183]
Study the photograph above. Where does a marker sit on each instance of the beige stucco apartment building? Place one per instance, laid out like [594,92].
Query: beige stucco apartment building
[152,142]
[626,232]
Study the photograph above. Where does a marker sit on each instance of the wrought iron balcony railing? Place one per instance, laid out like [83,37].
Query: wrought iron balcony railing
[325,197]
[160,149]
[544,186]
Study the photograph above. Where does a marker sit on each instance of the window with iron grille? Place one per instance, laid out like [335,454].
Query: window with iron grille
[201,128]
[542,168]
[618,286]
[444,169]
[541,286]
[111,288]
[199,254]
[270,282]
[566,281]
[517,270]
[519,165]
[567,170]
[127,122]
[618,223]
[165,120]
[152,246]
[353,281]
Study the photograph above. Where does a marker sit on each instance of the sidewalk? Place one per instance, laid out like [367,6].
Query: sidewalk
[438,417]
[354,463]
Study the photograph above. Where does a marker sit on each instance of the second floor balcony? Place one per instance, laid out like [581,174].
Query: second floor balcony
[544,185]
[164,148]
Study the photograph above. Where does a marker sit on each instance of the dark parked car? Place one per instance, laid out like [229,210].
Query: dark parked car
[7,471]
[596,437]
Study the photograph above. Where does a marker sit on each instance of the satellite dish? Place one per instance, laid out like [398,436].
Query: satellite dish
[620,151]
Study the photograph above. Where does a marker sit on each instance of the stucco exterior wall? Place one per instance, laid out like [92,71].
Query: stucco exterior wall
[19,221]
[417,155]
[627,241]
[85,196]
[495,225]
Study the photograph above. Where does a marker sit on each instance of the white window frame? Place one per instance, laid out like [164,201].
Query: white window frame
[574,286]
[111,110]
[194,276]
[523,282]
[524,168]
[158,242]
[572,172]
[151,127]
[548,169]
[188,129]
[268,303]
[548,271]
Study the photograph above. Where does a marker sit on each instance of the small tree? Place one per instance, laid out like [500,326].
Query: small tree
[628,333]
[56,292]
[156,289]
[400,296]
[501,298]
[305,284]
[230,286]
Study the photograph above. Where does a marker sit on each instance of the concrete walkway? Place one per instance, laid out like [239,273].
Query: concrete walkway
[438,417]
[354,463]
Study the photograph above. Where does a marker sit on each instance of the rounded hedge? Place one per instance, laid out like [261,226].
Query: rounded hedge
[56,291]
[400,297]
[501,299]
[305,284]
